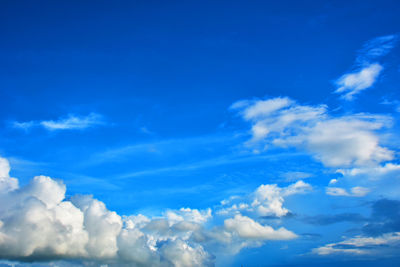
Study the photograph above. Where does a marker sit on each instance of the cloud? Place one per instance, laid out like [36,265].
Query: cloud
[356,191]
[353,83]
[37,223]
[71,122]
[266,200]
[361,245]
[376,48]
[247,228]
[367,69]
[340,141]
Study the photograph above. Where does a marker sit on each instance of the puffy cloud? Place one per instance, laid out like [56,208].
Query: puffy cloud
[374,172]
[341,141]
[348,141]
[188,214]
[361,245]
[71,122]
[333,181]
[37,223]
[353,83]
[266,200]
[6,182]
[247,228]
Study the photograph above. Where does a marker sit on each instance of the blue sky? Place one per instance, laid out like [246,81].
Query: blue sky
[199,133]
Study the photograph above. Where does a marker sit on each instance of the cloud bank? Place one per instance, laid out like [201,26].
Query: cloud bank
[38,223]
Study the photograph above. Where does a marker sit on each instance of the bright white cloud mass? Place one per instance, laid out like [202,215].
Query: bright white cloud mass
[37,222]
[361,245]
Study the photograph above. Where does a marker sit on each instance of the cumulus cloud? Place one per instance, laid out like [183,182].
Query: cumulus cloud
[37,223]
[340,141]
[266,200]
[6,182]
[374,172]
[247,228]
[71,122]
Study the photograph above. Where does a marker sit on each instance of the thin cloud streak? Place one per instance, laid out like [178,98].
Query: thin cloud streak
[71,122]
[219,161]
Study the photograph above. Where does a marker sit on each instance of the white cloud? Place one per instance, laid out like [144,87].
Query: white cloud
[357,191]
[247,228]
[360,245]
[188,214]
[340,141]
[261,108]
[71,122]
[38,223]
[353,83]
[6,182]
[266,200]
[347,141]
[333,181]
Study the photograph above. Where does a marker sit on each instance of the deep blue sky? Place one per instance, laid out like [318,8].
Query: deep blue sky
[150,86]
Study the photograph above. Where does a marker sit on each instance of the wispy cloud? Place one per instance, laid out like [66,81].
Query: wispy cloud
[70,122]
[266,200]
[367,69]
[376,48]
[352,83]
[361,245]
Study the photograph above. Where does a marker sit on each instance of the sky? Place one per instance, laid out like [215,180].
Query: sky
[199,133]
